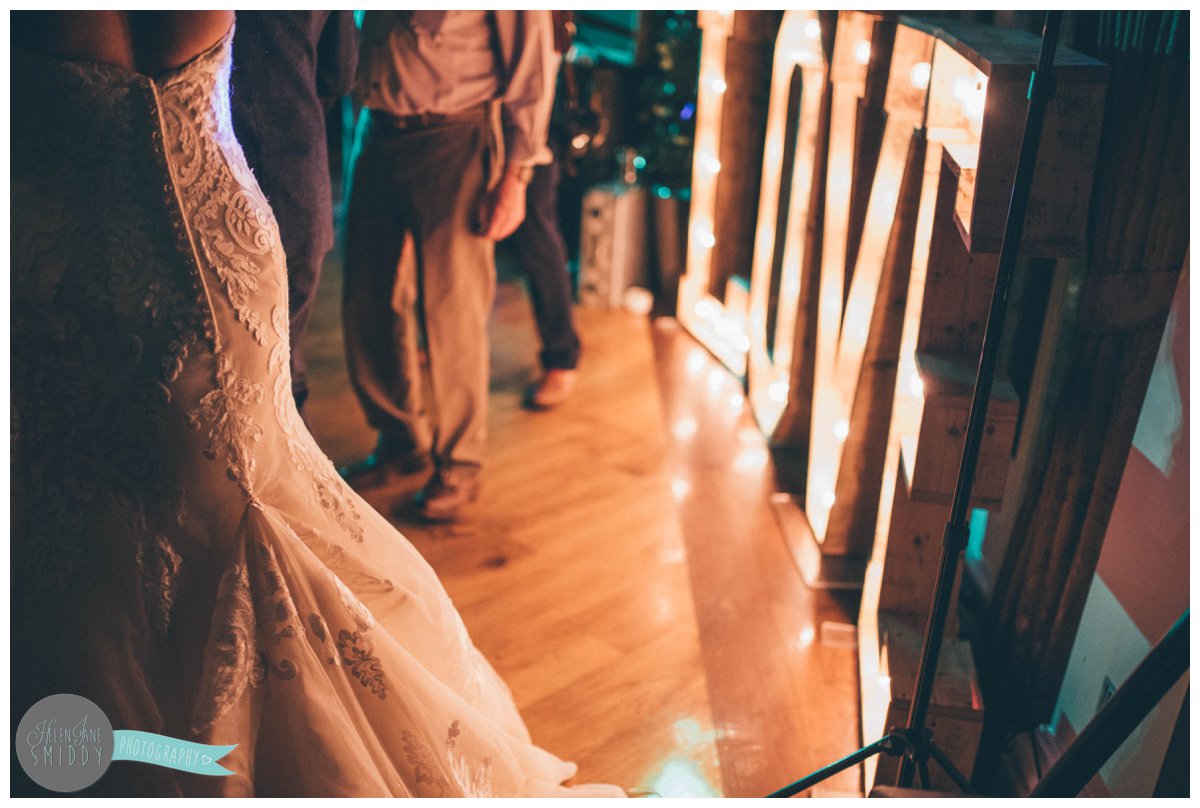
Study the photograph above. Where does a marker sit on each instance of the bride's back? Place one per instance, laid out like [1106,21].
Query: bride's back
[149,42]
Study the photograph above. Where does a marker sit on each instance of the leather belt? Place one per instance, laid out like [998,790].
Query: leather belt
[425,120]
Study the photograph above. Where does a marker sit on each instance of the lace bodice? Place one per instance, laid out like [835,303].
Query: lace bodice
[130,387]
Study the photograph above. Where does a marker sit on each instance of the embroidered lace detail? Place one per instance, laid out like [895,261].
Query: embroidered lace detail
[319,629]
[227,214]
[231,658]
[472,781]
[358,654]
[277,366]
[330,489]
[280,620]
[230,427]
[475,782]
[426,772]
[358,610]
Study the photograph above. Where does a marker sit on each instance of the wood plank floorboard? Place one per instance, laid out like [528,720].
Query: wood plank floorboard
[628,583]
[784,703]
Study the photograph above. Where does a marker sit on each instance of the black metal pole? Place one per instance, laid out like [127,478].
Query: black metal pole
[955,537]
[1132,702]
[882,745]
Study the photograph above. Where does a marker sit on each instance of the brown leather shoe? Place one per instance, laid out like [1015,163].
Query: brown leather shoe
[555,386]
[387,458]
[449,490]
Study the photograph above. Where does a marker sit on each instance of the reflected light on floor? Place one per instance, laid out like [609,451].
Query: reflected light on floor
[695,361]
[685,428]
[752,458]
[681,775]
[680,488]
[750,436]
[736,401]
[672,555]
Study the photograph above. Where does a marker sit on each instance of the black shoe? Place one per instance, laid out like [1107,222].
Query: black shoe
[449,490]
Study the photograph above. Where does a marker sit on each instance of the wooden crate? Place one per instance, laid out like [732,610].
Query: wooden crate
[979,85]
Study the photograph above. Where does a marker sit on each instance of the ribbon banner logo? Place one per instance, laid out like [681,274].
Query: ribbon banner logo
[66,743]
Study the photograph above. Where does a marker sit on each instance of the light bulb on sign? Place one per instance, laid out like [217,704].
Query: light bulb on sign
[915,385]
[751,459]
[976,99]
[717,84]
[971,94]
[706,239]
[862,52]
[685,428]
[710,164]
[778,391]
[680,488]
[812,29]
[919,75]
[841,430]
[828,498]
[749,436]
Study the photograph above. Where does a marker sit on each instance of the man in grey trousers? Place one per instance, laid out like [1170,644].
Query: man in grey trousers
[458,105]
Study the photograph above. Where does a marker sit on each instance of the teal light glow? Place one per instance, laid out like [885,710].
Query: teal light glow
[663,192]
[681,774]
[680,777]
[977,527]
[639,162]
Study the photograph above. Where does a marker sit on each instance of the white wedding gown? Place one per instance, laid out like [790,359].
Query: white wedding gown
[183,553]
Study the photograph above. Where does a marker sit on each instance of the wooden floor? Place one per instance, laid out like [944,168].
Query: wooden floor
[621,568]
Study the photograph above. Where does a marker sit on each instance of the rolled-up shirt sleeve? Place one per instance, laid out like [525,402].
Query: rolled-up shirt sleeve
[530,66]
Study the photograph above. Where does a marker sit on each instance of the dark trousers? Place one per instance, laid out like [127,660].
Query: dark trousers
[418,274]
[543,258]
[304,273]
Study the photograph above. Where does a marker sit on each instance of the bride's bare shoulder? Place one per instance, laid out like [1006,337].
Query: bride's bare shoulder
[147,41]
